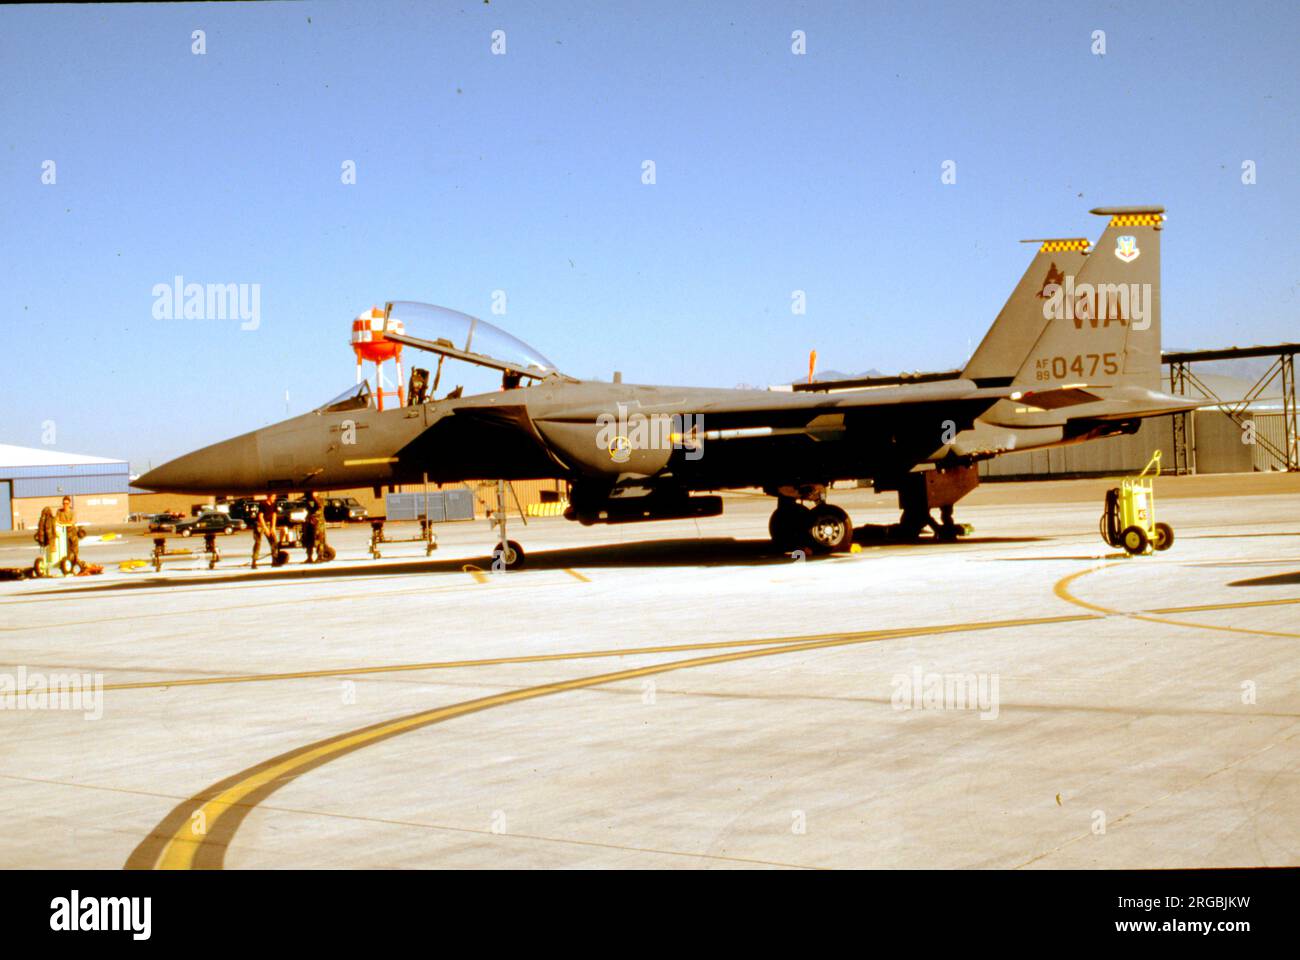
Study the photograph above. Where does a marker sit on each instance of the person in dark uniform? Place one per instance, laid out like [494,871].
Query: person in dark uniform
[313,531]
[75,536]
[264,526]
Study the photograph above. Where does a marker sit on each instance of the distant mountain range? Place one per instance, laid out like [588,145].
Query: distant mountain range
[1249,369]
[838,375]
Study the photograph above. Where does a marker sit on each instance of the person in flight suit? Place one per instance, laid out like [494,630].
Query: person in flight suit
[264,526]
[67,517]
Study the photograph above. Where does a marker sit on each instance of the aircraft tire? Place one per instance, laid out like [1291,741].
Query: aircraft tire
[788,526]
[512,558]
[1164,538]
[829,529]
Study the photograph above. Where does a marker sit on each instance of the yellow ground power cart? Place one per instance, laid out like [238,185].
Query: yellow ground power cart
[1129,520]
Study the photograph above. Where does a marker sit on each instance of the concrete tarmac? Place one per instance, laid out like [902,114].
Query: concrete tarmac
[675,695]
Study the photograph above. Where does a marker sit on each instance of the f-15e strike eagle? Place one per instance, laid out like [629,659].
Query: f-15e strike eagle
[1074,355]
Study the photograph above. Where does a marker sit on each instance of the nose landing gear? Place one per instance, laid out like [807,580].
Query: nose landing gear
[506,554]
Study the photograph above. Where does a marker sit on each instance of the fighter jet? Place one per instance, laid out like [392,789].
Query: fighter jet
[1073,356]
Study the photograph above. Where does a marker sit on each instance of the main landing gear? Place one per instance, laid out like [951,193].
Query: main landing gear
[820,528]
[921,492]
[915,520]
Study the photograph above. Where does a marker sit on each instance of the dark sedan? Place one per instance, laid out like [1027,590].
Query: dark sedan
[210,523]
[163,523]
[344,510]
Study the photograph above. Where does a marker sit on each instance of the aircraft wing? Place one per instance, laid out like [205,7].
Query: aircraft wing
[758,406]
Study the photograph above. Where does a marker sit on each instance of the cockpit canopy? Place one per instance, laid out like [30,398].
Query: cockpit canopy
[468,334]
[353,398]
[465,338]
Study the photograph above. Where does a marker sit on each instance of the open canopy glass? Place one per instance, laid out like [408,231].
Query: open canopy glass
[467,334]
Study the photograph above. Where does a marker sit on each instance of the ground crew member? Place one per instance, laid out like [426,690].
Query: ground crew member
[313,529]
[47,534]
[67,517]
[75,536]
[264,526]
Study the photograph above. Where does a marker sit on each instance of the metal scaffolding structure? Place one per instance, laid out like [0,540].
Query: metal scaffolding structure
[1183,381]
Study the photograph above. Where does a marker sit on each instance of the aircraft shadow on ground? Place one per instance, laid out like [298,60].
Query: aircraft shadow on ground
[687,552]
[1276,580]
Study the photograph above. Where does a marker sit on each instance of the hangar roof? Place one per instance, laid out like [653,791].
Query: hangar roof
[12,456]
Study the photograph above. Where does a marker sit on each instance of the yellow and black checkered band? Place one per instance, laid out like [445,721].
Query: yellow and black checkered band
[1058,246]
[1137,220]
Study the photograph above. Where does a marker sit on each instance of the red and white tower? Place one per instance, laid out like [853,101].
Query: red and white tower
[369,343]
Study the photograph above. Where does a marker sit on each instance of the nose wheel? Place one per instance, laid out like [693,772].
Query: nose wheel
[508,556]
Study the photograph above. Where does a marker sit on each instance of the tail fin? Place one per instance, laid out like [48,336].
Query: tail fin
[1021,321]
[1103,323]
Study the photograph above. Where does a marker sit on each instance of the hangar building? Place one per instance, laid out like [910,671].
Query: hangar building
[34,478]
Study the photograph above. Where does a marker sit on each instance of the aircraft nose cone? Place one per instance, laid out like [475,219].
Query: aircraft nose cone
[230,466]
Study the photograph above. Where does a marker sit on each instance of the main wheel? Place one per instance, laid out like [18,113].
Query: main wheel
[829,529]
[1134,540]
[511,558]
[1164,538]
[788,526]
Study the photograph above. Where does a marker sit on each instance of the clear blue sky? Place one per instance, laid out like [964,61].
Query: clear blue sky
[522,173]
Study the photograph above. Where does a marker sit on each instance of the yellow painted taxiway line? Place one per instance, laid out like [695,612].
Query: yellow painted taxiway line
[1062,590]
[884,634]
[196,833]
[349,671]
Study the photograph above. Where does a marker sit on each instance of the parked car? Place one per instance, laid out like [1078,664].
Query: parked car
[245,508]
[212,522]
[162,523]
[290,511]
[344,510]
